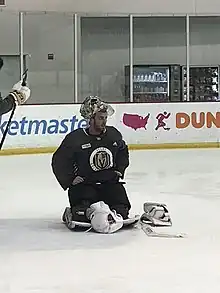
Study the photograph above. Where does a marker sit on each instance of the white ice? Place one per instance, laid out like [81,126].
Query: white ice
[39,255]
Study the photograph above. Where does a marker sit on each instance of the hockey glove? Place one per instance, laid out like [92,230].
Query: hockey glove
[20,93]
[77,180]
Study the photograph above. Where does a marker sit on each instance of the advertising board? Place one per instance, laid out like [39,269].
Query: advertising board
[154,125]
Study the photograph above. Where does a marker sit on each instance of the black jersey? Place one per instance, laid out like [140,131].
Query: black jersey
[89,156]
[6,104]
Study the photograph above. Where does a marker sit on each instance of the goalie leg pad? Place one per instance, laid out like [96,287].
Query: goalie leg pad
[104,220]
[72,224]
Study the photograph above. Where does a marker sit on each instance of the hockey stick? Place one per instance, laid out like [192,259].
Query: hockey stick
[152,233]
[24,83]
[149,231]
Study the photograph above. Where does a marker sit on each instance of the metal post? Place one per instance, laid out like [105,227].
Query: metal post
[75,58]
[187,58]
[131,46]
[21,43]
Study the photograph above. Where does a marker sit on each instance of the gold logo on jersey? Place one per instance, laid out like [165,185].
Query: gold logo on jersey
[101,159]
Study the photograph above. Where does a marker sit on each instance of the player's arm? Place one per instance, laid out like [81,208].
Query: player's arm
[122,157]
[7,104]
[63,163]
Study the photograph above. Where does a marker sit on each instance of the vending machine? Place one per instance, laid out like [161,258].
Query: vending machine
[154,83]
[203,83]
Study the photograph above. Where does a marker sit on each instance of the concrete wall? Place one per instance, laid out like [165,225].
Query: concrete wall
[118,6]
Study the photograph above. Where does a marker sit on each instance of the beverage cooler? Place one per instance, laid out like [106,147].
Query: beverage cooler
[154,83]
[203,83]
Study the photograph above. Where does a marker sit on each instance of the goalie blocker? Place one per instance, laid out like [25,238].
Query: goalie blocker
[156,214]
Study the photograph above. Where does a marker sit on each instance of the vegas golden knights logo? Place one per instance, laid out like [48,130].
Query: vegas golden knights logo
[100,159]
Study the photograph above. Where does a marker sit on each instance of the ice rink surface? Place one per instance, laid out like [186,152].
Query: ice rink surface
[39,255]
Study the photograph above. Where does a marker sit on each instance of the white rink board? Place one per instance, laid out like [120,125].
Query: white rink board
[151,135]
[47,125]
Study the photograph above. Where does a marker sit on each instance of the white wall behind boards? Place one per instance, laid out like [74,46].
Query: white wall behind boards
[118,6]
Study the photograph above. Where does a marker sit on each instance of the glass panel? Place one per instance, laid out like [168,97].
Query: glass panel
[159,57]
[9,51]
[10,73]
[104,55]
[49,39]
[204,58]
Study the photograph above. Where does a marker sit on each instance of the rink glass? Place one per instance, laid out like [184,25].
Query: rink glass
[72,55]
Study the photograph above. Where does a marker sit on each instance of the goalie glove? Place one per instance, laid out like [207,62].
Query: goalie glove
[20,93]
[103,220]
[156,214]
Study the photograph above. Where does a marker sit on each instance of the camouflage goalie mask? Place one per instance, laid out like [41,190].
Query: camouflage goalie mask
[92,105]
